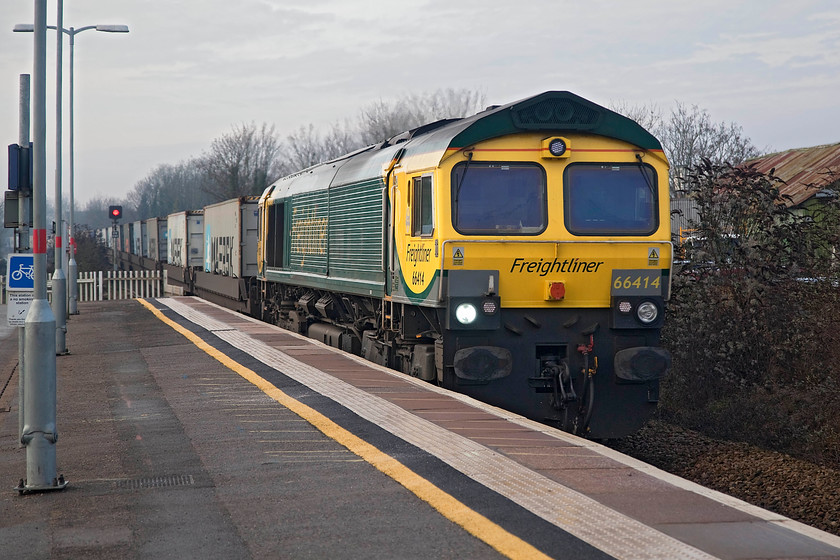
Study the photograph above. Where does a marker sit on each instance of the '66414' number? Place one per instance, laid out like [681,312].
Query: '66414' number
[636,282]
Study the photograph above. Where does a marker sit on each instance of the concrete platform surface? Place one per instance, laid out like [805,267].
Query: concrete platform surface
[187,431]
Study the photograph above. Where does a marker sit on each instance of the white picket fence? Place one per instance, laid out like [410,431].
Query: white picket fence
[111,285]
[120,284]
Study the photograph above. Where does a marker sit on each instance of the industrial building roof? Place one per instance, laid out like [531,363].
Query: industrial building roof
[806,171]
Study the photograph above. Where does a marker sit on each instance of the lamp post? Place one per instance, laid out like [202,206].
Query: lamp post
[72,32]
[39,430]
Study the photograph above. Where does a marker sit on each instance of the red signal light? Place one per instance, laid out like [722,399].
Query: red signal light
[116,212]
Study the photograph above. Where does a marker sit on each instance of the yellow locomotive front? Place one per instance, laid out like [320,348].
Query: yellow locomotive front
[545,253]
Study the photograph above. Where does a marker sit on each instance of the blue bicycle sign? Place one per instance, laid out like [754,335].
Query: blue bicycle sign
[27,271]
[21,272]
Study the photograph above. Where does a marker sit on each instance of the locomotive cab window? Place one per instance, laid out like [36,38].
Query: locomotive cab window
[422,222]
[275,222]
[610,199]
[499,198]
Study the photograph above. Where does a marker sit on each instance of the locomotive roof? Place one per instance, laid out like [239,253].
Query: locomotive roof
[552,112]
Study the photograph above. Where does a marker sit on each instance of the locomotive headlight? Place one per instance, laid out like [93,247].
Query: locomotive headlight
[647,312]
[466,313]
[473,303]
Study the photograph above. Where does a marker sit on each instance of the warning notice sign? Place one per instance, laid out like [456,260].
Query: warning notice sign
[457,256]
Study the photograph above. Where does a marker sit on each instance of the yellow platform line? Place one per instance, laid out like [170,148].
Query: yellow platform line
[470,520]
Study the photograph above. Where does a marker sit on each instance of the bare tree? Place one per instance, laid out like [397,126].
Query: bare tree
[242,162]
[377,122]
[95,211]
[248,158]
[381,120]
[446,103]
[648,117]
[690,136]
[169,188]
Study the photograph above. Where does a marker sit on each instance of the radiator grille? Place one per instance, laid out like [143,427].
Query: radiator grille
[557,113]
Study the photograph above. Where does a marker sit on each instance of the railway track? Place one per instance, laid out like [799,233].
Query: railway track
[792,487]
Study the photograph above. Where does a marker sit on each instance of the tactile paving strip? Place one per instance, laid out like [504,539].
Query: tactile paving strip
[571,511]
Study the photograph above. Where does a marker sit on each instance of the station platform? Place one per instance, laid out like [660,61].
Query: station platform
[189,431]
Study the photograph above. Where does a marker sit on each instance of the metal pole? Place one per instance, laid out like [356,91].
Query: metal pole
[23,140]
[72,267]
[39,432]
[114,242]
[64,255]
[23,237]
[59,279]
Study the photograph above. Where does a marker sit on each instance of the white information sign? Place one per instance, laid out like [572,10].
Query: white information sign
[18,307]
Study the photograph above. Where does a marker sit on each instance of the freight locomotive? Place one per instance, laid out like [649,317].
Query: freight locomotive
[521,256]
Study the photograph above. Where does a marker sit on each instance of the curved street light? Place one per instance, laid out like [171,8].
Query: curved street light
[72,32]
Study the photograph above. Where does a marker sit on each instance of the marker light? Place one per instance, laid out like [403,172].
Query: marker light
[466,313]
[647,312]
[625,306]
[557,147]
[489,307]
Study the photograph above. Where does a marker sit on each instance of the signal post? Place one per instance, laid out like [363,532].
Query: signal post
[115,213]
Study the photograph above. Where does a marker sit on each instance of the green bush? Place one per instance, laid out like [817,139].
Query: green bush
[752,321]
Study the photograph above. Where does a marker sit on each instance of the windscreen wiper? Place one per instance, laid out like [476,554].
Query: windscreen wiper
[461,181]
[645,175]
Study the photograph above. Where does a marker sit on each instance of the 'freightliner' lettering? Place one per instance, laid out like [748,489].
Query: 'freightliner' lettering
[544,267]
[418,254]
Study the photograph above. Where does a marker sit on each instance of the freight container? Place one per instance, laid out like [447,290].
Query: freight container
[185,239]
[156,236]
[230,237]
[125,238]
[137,238]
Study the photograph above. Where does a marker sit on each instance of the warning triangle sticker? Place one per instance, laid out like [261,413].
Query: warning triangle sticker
[458,254]
[653,253]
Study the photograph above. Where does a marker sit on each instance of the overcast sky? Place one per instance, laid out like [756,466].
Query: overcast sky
[191,69]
